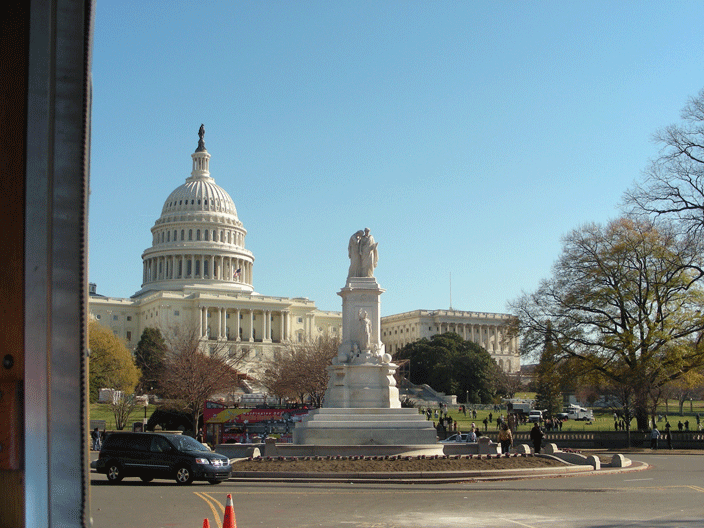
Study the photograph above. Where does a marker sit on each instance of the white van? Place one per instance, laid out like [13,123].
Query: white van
[535,416]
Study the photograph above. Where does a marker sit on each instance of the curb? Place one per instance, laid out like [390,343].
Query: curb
[434,477]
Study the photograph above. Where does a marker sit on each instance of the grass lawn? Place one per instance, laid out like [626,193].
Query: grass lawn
[101,411]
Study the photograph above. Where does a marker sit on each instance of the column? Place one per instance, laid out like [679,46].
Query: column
[219,312]
[251,325]
[237,326]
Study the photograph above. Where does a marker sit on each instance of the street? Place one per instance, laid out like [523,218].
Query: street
[669,495]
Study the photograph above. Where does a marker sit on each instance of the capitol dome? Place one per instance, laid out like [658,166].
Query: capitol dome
[198,241]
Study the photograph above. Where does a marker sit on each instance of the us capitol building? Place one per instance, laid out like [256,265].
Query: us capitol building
[197,274]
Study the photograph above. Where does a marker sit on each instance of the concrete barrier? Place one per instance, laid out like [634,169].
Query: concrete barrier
[239,450]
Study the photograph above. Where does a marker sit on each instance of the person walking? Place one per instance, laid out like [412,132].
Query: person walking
[505,438]
[668,435]
[95,437]
[536,436]
[654,435]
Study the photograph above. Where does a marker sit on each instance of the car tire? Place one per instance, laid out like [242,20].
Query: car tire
[147,479]
[184,475]
[215,481]
[114,473]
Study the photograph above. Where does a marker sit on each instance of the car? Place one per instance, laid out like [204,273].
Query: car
[535,416]
[160,456]
[454,438]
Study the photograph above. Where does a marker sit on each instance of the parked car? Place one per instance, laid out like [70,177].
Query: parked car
[160,456]
[454,438]
[535,416]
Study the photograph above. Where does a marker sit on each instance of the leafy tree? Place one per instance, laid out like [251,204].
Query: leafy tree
[192,375]
[111,364]
[452,365]
[150,357]
[673,186]
[623,300]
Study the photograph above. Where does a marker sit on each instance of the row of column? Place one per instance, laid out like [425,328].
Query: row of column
[477,334]
[217,267]
[487,336]
[274,325]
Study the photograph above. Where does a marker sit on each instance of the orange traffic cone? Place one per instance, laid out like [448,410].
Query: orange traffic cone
[229,520]
[206,523]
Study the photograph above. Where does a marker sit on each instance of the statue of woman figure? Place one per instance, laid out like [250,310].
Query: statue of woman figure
[355,255]
[369,254]
[365,327]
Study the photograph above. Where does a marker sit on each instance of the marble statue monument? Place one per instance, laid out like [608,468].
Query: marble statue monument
[361,404]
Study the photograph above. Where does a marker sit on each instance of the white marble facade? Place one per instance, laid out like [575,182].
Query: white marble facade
[198,274]
[486,329]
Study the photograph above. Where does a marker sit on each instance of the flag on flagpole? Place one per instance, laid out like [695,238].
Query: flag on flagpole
[236,273]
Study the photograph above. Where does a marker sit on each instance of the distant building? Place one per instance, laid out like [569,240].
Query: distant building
[199,274]
[485,329]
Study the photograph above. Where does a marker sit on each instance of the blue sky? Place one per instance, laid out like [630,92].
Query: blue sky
[468,136]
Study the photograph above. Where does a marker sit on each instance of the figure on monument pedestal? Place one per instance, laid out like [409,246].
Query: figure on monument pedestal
[354,254]
[365,327]
[363,253]
[370,255]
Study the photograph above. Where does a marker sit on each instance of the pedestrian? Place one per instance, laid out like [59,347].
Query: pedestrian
[491,417]
[668,435]
[679,425]
[505,438]
[654,435]
[95,437]
[686,425]
[199,435]
[471,435]
[536,436]
[486,424]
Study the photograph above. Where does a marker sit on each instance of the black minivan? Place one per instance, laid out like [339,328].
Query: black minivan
[160,456]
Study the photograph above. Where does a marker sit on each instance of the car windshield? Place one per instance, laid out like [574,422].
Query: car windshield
[186,443]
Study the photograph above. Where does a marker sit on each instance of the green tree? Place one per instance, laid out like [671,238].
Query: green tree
[623,299]
[111,365]
[150,357]
[452,365]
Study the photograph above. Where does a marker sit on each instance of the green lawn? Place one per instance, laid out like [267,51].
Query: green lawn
[101,411]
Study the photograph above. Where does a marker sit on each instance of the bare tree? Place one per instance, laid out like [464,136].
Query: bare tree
[673,184]
[122,406]
[624,300]
[195,370]
[301,370]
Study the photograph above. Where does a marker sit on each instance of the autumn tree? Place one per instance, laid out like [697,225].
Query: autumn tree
[300,370]
[195,371]
[673,184]
[111,364]
[624,300]
[150,357]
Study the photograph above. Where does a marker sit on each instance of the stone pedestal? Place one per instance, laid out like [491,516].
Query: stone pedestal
[361,405]
[347,427]
[362,386]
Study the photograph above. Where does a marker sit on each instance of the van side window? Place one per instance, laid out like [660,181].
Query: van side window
[160,445]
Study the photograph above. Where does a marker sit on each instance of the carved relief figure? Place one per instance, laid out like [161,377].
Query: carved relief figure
[365,331]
